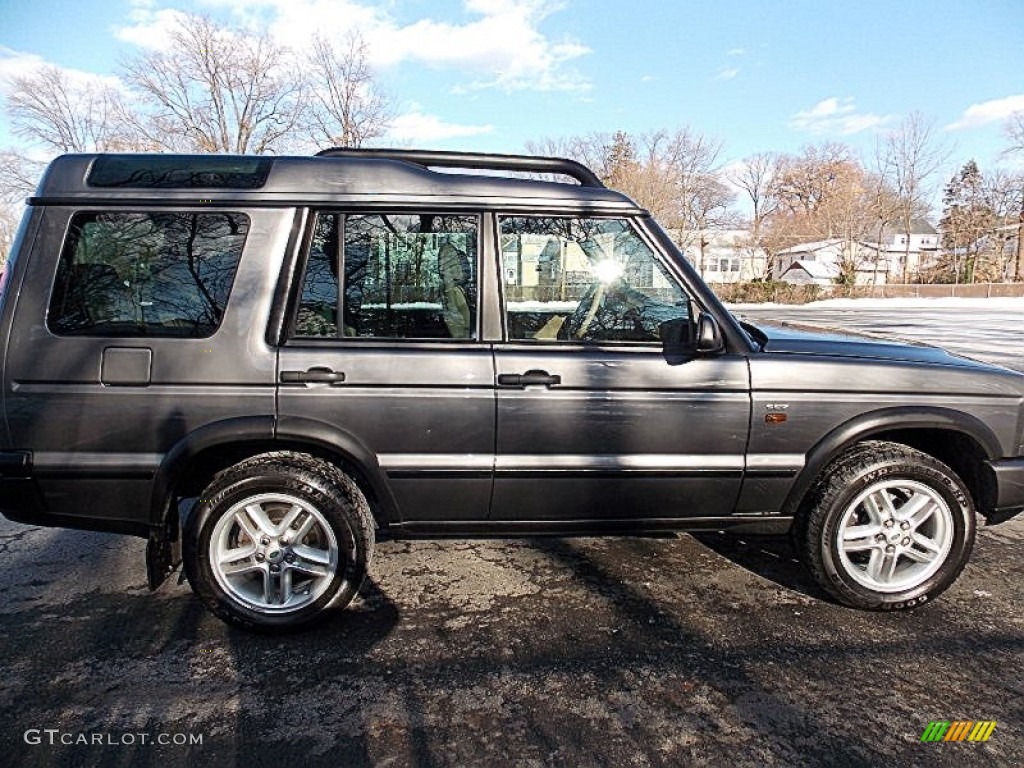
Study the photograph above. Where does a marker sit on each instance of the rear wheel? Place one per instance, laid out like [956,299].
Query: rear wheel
[278,541]
[886,527]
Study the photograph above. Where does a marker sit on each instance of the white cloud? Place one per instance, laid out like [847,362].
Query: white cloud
[149,27]
[735,52]
[728,73]
[501,45]
[993,111]
[836,116]
[16,64]
[19,64]
[420,128]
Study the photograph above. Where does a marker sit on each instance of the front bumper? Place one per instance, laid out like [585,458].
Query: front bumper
[1008,483]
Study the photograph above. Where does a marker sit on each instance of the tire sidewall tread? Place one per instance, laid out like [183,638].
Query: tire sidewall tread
[814,531]
[336,496]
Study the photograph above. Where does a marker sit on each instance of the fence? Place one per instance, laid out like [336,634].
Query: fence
[787,293]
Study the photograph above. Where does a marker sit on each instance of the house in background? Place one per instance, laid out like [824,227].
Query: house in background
[809,273]
[730,256]
[909,255]
[895,259]
[822,263]
[727,256]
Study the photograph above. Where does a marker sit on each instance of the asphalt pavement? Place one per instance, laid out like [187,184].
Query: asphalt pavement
[674,651]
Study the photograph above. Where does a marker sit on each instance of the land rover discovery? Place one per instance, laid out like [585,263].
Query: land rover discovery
[262,364]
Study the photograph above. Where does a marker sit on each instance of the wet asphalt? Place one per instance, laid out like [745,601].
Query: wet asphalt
[674,651]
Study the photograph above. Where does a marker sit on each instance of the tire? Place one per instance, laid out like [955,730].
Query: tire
[885,527]
[278,541]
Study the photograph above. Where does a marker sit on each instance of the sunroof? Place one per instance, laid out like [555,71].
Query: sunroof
[179,172]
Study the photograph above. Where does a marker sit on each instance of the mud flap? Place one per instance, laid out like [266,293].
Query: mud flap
[163,556]
[1002,515]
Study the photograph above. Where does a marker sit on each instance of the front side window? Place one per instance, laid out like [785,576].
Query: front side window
[586,280]
[146,274]
[404,276]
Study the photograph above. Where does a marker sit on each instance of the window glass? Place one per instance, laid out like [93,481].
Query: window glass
[585,280]
[176,172]
[146,274]
[318,306]
[405,276]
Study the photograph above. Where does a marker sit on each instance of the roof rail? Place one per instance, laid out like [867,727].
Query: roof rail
[475,161]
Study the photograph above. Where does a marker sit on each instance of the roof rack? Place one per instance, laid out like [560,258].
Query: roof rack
[475,161]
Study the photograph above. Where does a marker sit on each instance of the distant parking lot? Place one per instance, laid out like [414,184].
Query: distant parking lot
[620,652]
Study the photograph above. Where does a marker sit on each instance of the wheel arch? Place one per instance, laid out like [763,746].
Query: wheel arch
[959,440]
[193,461]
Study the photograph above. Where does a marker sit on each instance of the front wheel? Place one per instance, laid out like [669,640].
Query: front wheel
[278,541]
[886,527]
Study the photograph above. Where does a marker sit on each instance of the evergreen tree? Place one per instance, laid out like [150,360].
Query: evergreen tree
[966,219]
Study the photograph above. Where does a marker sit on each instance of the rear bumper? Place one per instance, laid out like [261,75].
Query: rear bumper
[1008,477]
[23,501]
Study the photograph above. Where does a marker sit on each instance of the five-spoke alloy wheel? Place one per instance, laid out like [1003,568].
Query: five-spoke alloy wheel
[885,527]
[277,541]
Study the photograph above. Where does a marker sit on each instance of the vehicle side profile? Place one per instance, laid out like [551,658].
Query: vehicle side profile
[264,364]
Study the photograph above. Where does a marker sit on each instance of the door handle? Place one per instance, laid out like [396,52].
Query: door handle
[529,379]
[317,375]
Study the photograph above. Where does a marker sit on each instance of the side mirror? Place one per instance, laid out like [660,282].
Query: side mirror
[677,340]
[709,335]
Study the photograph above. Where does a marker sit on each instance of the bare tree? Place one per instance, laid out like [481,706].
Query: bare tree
[18,177]
[1015,146]
[216,89]
[49,107]
[1015,133]
[347,107]
[908,158]
[757,178]
[1004,196]
[594,150]
[823,194]
[673,174]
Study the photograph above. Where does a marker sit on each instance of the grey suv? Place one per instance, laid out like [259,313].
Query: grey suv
[262,364]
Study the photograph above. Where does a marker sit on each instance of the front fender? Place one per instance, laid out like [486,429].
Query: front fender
[867,425]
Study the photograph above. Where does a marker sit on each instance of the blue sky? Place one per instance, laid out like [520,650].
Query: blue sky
[491,74]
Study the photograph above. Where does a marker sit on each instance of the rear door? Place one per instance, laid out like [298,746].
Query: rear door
[390,353]
[123,341]
[595,422]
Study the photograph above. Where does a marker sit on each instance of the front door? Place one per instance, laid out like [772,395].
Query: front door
[393,358]
[595,421]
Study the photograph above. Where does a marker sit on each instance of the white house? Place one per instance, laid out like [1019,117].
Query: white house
[810,273]
[896,258]
[908,254]
[821,262]
[727,256]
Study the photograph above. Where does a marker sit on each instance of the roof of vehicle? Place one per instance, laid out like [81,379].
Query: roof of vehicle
[371,177]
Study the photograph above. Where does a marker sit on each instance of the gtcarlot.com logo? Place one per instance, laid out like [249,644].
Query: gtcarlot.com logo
[958,730]
[56,737]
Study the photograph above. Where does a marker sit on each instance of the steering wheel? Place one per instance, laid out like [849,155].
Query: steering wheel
[579,322]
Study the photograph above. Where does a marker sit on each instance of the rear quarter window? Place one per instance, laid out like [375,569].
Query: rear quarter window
[132,274]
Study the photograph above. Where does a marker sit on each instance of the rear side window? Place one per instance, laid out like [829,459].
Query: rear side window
[146,274]
[404,276]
